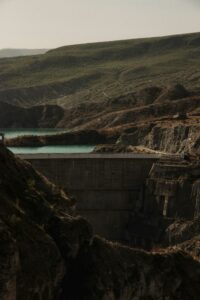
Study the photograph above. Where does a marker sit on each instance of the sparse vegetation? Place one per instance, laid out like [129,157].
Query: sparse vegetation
[92,72]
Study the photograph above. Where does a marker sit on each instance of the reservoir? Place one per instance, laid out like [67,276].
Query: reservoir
[53,149]
[13,133]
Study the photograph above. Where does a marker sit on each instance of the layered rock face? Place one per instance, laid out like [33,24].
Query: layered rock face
[169,138]
[168,215]
[174,187]
[47,253]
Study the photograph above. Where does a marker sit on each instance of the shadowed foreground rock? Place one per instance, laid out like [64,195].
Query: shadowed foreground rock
[46,253]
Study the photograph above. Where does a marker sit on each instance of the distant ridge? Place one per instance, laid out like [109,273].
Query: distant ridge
[10,52]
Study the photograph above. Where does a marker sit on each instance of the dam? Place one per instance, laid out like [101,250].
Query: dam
[107,187]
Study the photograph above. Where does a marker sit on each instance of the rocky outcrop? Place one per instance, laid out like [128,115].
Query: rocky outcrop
[172,203]
[192,247]
[132,274]
[182,230]
[47,253]
[159,137]
[168,213]
[174,187]
[175,137]
[32,265]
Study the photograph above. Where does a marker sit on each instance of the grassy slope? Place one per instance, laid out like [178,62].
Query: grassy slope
[110,68]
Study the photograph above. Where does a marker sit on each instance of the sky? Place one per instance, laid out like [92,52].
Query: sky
[54,23]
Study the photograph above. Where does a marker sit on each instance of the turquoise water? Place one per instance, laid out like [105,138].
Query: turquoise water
[52,149]
[12,133]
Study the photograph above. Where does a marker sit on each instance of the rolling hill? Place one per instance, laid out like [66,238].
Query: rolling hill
[87,80]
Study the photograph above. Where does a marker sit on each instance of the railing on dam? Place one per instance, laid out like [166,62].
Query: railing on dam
[108,187]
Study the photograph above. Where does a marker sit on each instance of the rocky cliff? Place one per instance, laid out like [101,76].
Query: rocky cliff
[168,215]
[157,118]
[166,136]
[174,186]
[48,253]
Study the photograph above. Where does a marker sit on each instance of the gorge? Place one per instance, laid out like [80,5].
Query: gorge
[39,219]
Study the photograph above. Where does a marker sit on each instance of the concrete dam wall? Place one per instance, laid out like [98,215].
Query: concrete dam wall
[107,187]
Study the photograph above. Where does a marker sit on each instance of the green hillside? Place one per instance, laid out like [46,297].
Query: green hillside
[92,72]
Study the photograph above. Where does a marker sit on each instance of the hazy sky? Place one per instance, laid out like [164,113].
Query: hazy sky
[53,23]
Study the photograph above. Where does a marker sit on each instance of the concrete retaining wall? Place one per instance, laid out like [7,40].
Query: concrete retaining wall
[107,187]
